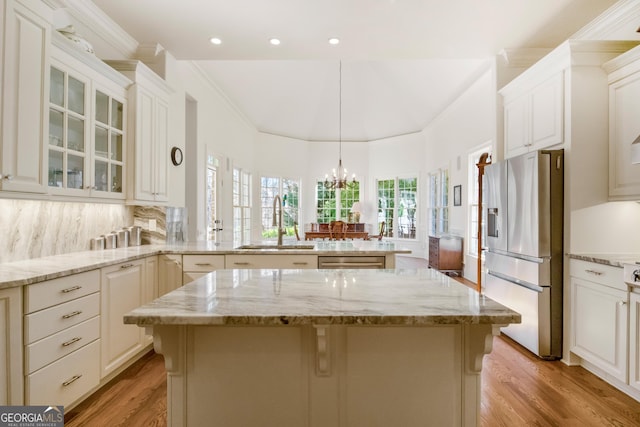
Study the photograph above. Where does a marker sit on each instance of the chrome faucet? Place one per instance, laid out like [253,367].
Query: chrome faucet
[276,201]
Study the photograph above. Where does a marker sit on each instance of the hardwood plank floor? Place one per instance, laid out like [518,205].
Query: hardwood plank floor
[518,389]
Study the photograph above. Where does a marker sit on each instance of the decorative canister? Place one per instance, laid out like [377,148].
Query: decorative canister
[110,241]
[122,238]
[135,235]
[96,244]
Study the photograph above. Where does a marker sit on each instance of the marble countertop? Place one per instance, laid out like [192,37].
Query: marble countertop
[614,260]
[20,273]
[297,297]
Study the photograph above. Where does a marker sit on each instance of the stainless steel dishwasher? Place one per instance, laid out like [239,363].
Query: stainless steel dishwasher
[351,262]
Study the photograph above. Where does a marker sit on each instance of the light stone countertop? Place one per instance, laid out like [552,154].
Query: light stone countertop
[298,297]
[614,260]
[26,272]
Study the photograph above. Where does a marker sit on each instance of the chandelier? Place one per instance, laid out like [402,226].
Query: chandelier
[338,178]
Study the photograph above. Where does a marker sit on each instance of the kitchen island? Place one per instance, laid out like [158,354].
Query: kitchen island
[323,348]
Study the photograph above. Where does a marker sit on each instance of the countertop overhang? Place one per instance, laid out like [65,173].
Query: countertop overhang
[270,297]
[26,272]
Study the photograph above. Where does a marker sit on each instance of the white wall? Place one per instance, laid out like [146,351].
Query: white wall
[220,129]
[468,123]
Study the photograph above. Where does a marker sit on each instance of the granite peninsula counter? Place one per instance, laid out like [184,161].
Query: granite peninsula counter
[323,347]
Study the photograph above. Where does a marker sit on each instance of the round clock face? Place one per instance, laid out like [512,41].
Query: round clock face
[176,156]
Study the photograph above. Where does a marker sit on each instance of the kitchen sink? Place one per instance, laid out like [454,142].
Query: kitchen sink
[257,247]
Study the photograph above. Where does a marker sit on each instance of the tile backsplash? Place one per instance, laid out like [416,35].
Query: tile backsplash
[33,229]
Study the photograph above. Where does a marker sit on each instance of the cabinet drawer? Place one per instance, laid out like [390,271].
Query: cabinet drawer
[272,261]
[202,262]
[51,292]
[66,380]
[599,273]
[56,346]
[47,322]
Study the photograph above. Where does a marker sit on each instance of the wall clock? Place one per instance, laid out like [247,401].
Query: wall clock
[176,156]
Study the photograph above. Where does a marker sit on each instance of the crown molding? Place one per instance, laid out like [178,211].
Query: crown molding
[524,57]
[621,14]
[102,26]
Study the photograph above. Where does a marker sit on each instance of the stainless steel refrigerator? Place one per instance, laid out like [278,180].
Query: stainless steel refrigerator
[524,259]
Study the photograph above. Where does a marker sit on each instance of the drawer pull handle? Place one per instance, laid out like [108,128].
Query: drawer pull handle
[71,380]
[126,266]
[71,289]
[300,263]
[71,341]
[241,263]
[597,273]
[203,264]
[75,313]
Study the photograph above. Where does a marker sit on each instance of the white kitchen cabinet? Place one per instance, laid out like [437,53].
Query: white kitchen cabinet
[122,290]
[634,338]
[11,383]
[149,133]
[24,79]
[87,123]
[534,120]
[624,124]
[560,101]
[599,310]
[196,266]
[169,273]
[151,286]
[271,261]
[62,339]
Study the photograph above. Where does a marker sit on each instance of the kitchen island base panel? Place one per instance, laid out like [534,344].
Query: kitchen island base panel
[323,374]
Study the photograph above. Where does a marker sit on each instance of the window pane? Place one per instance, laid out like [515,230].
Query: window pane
[56,128]
[75,171]
[116,178]
[56,90]
[116,114]
[101,176]
[55,169]
[75,134]
[102,142]
[325,204]
[102,107]
[116,147]
[76,96]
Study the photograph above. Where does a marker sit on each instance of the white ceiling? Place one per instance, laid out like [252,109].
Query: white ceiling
[403,61]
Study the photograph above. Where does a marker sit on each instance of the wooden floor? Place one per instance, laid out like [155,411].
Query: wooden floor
[518,389]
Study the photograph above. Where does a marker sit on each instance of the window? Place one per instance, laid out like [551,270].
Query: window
[439,202]
[241,207]
[289,191]
[335,204]
[397,206]
[473,201]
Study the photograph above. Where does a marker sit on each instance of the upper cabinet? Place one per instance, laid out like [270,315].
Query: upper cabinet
[148,134]
[86,143]
[559,99]
[26,34]
[624,124]
[534,119]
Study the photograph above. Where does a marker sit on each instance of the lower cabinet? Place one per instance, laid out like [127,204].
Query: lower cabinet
[169,273]
[62,339]
[445,254]
[196,266]
[634,339]
[11,383]
[123,289]
[599,311]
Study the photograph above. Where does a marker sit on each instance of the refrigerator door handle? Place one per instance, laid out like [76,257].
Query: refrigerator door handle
[518,282]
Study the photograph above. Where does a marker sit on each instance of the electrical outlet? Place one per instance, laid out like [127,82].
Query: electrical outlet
[152,225]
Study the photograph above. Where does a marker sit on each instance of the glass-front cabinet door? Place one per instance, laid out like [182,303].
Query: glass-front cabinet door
[86,135]
[109,140]
[67,132]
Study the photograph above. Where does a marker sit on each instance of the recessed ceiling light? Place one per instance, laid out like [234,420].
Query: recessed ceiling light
[274,41]
[334,40]
[215,40]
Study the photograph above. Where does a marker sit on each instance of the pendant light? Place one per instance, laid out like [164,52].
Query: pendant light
[338,178]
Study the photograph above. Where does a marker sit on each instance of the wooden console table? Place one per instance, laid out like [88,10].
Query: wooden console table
[445,254]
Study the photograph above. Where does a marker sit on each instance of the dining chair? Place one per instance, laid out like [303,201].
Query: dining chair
[337,230]
[379,235]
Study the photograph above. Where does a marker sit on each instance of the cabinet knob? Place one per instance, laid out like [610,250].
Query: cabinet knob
[622,303]
[8,177]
